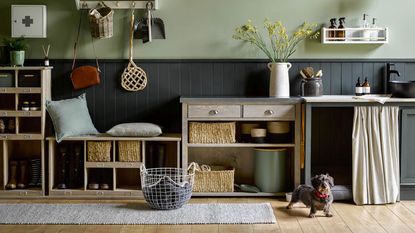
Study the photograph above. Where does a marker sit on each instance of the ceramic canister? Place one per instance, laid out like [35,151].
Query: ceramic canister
[258,135]
[279,131]
[270,169]
[246,131]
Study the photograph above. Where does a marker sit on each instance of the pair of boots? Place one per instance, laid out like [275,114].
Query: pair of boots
[69,162]
[18,175]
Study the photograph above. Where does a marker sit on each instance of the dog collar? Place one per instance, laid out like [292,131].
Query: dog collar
[320,196]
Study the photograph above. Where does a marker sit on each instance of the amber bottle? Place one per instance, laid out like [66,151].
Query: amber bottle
[341,34]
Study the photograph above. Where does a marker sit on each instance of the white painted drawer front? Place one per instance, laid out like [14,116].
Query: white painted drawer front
[214,111]
[270,111]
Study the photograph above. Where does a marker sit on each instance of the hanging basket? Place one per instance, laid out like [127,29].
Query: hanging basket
[101,21]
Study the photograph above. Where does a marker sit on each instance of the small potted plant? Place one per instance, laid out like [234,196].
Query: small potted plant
[16,48]
[278,49]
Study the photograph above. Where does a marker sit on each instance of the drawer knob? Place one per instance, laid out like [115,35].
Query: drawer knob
[213,112]
[27,136]
[269,112]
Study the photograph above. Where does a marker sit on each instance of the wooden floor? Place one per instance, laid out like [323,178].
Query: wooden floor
[347,218]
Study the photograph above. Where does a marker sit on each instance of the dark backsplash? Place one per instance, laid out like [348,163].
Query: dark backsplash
[109,104]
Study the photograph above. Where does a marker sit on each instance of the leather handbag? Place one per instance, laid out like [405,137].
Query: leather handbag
[84,76]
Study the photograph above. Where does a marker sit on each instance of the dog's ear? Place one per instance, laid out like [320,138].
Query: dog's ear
[331,180]
[315,181]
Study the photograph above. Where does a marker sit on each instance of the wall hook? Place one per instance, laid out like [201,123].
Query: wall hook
[117,3]
[133,4]
[85,5]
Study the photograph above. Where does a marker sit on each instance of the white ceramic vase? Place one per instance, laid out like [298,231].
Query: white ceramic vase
[279,83]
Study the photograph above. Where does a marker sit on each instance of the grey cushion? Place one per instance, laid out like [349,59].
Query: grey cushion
[135,130]
[70,117]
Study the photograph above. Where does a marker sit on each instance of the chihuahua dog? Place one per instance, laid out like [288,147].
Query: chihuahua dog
[317,197]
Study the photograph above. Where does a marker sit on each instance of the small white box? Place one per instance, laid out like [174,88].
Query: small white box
[29,21]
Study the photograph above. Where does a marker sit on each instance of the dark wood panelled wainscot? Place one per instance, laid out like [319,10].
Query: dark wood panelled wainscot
[109,104]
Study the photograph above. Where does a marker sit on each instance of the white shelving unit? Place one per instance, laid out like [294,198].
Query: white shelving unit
[356,36]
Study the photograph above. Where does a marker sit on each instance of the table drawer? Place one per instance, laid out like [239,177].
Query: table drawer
[214,111]
[286,112]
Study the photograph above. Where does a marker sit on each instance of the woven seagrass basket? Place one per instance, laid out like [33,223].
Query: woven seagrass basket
[214,179]
[99,151]
[220,133]
[129,151]
[102,27]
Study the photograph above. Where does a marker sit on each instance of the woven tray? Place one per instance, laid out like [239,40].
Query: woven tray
[218,133]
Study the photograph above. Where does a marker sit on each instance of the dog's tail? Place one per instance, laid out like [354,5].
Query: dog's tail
[296,195]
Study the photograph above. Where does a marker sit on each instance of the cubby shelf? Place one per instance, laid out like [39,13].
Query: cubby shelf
[25,139]
[123,177]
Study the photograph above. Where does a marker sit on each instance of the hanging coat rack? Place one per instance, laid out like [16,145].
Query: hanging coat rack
[140,4]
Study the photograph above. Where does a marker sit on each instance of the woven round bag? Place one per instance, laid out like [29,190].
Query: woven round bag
[133,78]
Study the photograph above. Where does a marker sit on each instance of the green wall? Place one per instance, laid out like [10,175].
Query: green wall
[203,28]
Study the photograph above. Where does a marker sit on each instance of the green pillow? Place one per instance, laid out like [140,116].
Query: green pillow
[70,117]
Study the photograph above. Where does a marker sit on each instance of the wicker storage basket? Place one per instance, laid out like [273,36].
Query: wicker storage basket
[214,179]
[99,151]
[220,133]
[129,151]
[102,27]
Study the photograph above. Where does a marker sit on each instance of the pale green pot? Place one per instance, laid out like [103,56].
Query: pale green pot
[17,58]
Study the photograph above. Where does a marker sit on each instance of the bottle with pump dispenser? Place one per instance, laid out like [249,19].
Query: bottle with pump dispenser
[366,33]
[332,34]
[358,89]
[366,87]
[374,33]
[341,34]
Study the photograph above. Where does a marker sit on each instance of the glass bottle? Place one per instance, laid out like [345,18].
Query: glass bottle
[374,34]
[358,88]
[332,34]
[366,87]
[341,34]
[366,34]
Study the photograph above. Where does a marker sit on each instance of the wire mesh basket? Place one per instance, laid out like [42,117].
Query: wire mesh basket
[167,188]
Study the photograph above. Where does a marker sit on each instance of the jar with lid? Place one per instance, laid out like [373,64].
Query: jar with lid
[312,87]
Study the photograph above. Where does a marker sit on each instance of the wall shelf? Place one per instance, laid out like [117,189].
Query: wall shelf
[356,36]
[116,5]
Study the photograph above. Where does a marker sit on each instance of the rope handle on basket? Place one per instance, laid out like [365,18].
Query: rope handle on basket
[143,168]
[131,35]
[195,167]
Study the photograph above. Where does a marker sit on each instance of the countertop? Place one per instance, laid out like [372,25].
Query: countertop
[320,99]
[227,99]
[356,99]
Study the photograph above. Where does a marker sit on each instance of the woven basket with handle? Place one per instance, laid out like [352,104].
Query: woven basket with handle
[102,27]
[214,179]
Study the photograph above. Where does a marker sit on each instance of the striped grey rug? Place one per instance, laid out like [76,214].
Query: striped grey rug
[120,214]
